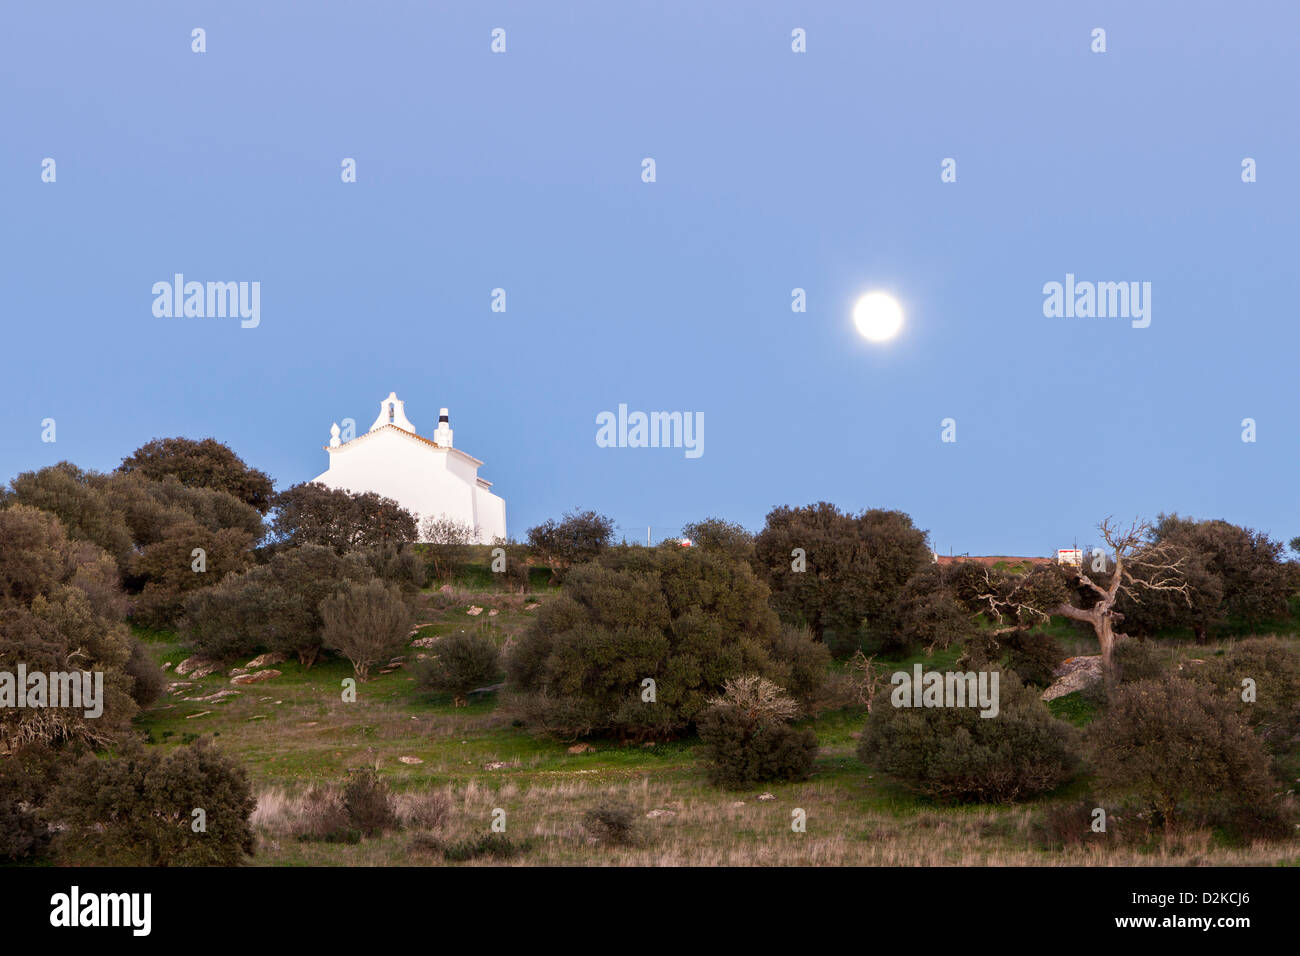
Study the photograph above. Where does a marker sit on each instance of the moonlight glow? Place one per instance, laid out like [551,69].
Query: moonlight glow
[878,316]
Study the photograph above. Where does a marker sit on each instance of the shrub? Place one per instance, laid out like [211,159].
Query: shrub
[801,663]
[1136,660]
[715,533]
[952,753]
[1071,824]
[23,834]
[857,566]
[368,804]
[136,809]
[149,679]
[610,825]
[461,662]
[445,539]
[324,817]
[396,564]
[1275,669]
[684,618]
[580,536]
[366,623]
[201,464]
[747,739]
[427,809]
[312,513]
[1181,749]
[497,846]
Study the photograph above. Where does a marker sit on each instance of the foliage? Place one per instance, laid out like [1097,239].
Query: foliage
[952,753]
[579,536]
[365,622]
[201,464]
[137,808]
[312,513]
[747,738]
[461,662]
[857,566]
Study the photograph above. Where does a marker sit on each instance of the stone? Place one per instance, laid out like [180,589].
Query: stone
[1074,673]
[532,607]
[236,671]
[424,642]
[202,713]
[255,678]
[493,613]
[474,610]
[581,749]
[411,760]
[197,667]
[218,696]
[656,814]
[767,796]
[266,660]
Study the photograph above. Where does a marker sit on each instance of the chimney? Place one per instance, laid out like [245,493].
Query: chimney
[443,435]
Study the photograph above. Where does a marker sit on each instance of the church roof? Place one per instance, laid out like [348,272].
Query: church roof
[402,431]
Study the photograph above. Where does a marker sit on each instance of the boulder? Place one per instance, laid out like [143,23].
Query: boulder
[255,678]
[581,749]
[410,760]
[197,667]
[266,660]
[1074,673]
[474,610]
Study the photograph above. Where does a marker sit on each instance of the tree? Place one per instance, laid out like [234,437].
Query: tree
[444,539]
[170,569]
[138,808]
[748,738]
[580,536]
[682,619]
[461,662]
[952,753]
[1244,569]
[366,623]
[1179,747]
[725,535]
[201,464]
[1139,567]
[838,573]
[312,513]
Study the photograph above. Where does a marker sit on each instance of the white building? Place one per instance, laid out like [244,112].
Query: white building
[426,476]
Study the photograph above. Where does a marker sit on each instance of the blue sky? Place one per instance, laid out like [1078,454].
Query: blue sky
[775,170]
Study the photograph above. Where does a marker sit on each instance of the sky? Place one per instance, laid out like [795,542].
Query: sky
[774,170]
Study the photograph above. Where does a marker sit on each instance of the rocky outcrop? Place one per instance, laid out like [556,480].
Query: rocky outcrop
[1074,673]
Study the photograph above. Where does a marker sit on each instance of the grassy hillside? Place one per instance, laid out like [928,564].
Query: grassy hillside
[295,730]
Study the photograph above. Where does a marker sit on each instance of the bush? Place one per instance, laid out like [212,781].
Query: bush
[1135,660]
[366,623]
[801,663]
[462,662]
[686,619]
[610,825]
[324,817]
[1070,824]
[747,739]
[149,679]
[368,804]
[952,753]
[426,810]
[497,846]
[1275,668]
[137,808]
[1181,749]
[578,537]
[23,834]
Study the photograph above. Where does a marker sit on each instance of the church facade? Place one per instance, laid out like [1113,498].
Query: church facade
[427,476]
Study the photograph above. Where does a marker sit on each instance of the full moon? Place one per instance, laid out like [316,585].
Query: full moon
[878,316]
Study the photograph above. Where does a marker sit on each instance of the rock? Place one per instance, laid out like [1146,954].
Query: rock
[493,613]
[202,713]
[255,678]
[495,765]
[311,723]
[219,695]
[266,660]
[445,589]
[236,671]
[474,610]
[258,717]
[424,642]
[410,760]
[738,803]
[1074,673]
[176,685]
[532,607]
[167,665]
[197,667]
[767,796]
[581,749]
[656,814]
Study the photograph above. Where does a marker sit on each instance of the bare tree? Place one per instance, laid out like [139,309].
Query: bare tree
[1140,566]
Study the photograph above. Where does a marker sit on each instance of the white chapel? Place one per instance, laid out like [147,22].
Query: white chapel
[427,476]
